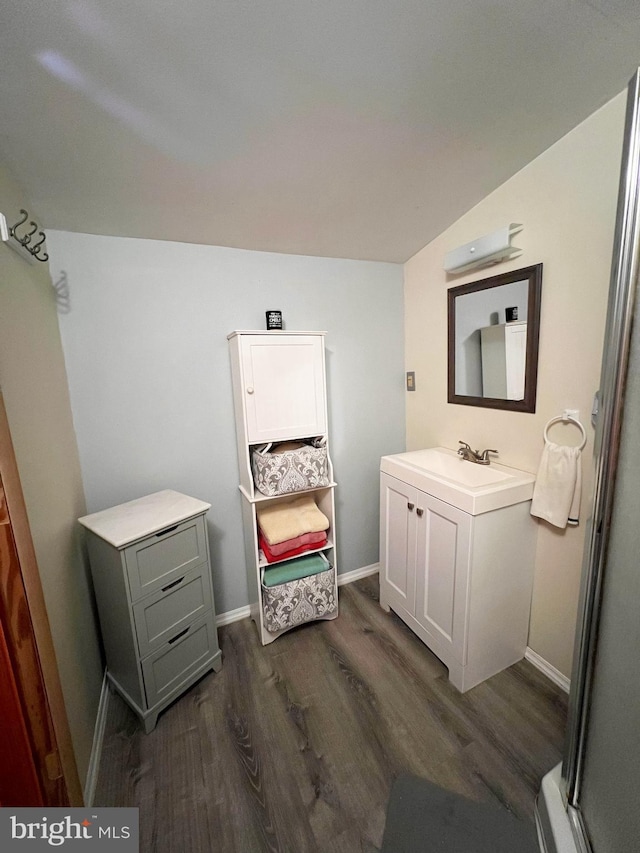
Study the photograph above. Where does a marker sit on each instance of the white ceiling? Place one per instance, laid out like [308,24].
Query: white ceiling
[344,128]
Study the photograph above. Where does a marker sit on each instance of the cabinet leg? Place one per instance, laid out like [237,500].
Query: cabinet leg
[217,663]
[456,676]
[150,723]
[383,602]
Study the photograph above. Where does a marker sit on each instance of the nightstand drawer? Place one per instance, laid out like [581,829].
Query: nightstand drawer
[165,670]
[162,557]
[165,613]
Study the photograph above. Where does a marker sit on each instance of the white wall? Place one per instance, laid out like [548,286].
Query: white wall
[148,365]
[566,199]
[34,384]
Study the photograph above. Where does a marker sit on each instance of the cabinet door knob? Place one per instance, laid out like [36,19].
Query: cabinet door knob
[420,512]
[249,390]
[410,507]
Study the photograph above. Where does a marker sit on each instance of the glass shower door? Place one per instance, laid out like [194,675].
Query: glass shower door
[610,784]
[593,805]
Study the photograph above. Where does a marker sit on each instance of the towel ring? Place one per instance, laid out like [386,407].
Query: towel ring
[577,423]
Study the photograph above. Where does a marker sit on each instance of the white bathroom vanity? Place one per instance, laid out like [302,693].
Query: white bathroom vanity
[457,549]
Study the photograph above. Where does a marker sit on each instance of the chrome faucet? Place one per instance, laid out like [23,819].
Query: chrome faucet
[474,455]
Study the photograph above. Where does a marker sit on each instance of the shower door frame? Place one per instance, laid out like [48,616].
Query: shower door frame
[622,297]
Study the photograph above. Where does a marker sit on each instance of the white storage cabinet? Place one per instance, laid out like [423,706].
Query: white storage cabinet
[461,582]
[279,392]
[504,352]
[152,579]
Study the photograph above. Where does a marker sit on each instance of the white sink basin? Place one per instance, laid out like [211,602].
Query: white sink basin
[470,487]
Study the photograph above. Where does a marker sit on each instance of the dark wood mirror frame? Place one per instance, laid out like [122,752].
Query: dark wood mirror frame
[528,404]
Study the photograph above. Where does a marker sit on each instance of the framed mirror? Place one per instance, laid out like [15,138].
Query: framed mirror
[494,327]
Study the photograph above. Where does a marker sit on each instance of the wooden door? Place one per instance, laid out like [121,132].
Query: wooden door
[37,764]
[284,389]
[31,774]
[397,543]
[442,573]
[19,785]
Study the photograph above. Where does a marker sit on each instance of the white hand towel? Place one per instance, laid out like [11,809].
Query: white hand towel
[556,494]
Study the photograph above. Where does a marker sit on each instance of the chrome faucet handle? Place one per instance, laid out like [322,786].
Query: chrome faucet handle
[466,452]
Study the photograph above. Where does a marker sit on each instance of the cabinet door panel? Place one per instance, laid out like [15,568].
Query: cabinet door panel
[164,613]
[283,387]
[398,538]
[503,361]
[165,670]
[161,557]
[442,573]
[515,355]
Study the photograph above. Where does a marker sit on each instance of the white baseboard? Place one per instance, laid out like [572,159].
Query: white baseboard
[356,574]
[233,616]
[98,739]
[245,612]
[547,669]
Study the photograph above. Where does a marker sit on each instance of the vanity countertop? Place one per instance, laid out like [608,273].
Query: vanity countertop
[128,522]
[475,489]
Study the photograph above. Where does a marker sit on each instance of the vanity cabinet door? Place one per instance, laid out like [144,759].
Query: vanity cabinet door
[442,573]
[283,385]
[398,541]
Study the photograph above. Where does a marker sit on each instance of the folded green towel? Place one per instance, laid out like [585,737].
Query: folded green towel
[293,570]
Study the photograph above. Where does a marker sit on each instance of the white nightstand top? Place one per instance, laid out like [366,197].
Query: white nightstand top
[121,525]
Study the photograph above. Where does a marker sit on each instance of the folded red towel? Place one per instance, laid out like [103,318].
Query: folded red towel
[276,558]
[297,541]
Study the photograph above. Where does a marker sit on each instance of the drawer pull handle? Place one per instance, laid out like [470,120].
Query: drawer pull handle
[168,530]
[420,512]
[175,583]
[410,507]
[181,634]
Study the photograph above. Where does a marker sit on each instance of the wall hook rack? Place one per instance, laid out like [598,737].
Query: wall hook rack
[20,238]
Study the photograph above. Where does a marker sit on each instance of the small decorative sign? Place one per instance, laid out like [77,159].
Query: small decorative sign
[511,314]
[274,320]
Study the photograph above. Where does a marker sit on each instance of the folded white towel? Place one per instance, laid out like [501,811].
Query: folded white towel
[556,494]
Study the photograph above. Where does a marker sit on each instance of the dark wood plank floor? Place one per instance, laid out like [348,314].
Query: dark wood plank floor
[294,746]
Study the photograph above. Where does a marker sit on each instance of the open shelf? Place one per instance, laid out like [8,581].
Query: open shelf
[264,564]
